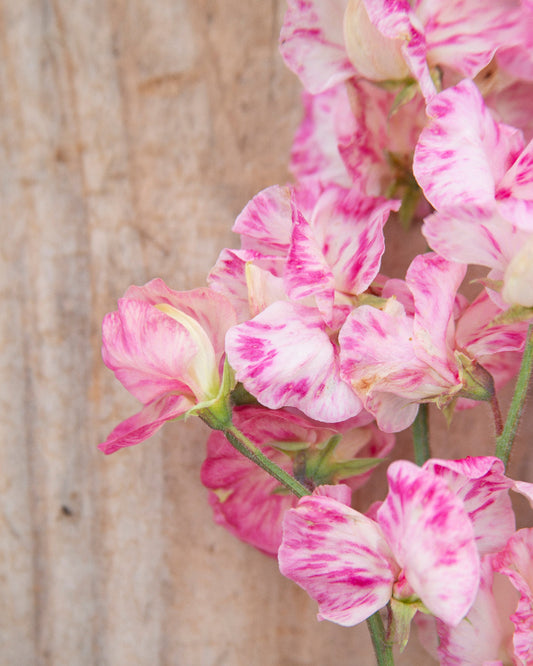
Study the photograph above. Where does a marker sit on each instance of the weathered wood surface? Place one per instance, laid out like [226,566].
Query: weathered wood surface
[132,132]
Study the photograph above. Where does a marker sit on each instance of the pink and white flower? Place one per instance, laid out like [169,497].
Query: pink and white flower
[167,348]
[420,547]
[413,351]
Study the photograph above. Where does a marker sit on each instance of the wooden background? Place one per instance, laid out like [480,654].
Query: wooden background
[132,133]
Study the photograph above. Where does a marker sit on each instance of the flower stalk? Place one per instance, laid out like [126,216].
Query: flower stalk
[504,443]
[421,435]
[382,648]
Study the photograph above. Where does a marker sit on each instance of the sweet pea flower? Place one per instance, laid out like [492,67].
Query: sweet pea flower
[323,250]
[413,350]
[167,348]
[420,549]
[251,504]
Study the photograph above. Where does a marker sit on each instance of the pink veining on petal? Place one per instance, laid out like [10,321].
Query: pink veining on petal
[285,357]
[482,485]
[432,539]
[339,557]
[312,43]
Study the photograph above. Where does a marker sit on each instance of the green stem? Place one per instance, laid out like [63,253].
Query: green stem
[504,443]
[421,435]
[382,648]
[251,451]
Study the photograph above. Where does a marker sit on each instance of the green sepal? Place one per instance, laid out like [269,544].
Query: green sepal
[404,96]
[448,410]
[375,301]
[338,471]
[217,411]
[393,84]
[495,285]
[240,396]
[409,205]
[289,447]
[403,613]
[514,314]
[477,383]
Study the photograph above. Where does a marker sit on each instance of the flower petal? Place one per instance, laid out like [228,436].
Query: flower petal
[285,357]
[312,43]
[482,485]
[340,558]
[432,539]
[265,222]
[143,425]
[516,562]
[463,152]
[148,351]
[434,282]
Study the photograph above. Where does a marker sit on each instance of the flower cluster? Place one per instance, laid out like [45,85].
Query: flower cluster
[305,359]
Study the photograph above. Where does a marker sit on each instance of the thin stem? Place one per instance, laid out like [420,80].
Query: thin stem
[382,648]
[251,451]
[497,414]
[421,435]
[504,443]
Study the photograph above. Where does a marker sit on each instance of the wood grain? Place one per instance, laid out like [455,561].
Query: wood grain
[132,133]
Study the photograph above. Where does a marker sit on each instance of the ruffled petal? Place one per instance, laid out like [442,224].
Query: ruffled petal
[482,485]
[312,43]
[516,562]
[463,152]
[285,357]
[339,557]
[265,222]
[434,282]
[149,352]
[432,539]
[147,422]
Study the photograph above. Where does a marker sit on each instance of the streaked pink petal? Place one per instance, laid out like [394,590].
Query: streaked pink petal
[377,354]
[212,311]
[315,152]
[285,357]
[395,20]
[515,191]
[432,539]
[478,638]
[466,236]
[465,35]
[147,422]
[463,152]
[350,228]
[482,485]
[249,280]
[308,273]
[312,43]
[434,282]
[148,351]
[516,562]
[265,222]
[339,557]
